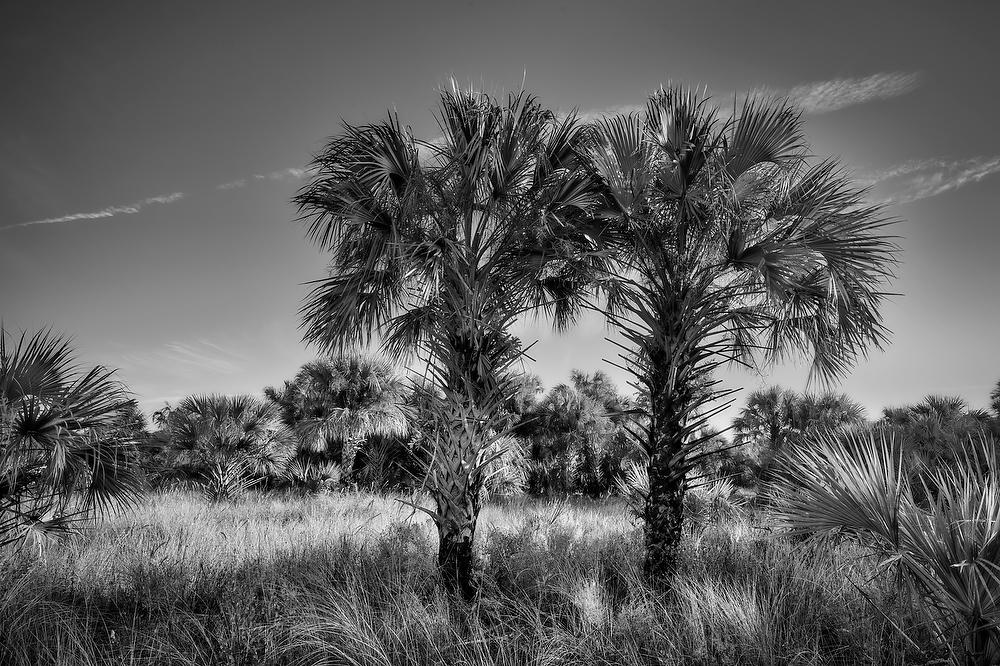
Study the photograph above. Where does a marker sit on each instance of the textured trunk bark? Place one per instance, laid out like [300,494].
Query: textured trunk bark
[673,371]
[664,509]
[456,562]
[457,493]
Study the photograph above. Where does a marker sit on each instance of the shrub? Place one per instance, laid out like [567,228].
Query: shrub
[945,549]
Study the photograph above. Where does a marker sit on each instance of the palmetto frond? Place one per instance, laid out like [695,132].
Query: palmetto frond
[60,454]
[947,548]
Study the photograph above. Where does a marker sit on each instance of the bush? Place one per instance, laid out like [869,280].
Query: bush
[944,545]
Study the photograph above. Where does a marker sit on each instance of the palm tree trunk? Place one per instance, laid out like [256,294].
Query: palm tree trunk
[673,371]
[664,510]
[456,559]
[348,454]
[462,429]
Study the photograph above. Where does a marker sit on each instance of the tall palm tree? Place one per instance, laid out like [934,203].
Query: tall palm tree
[336,404]
[734,248]
[232,442]
[64,450]
[439,247]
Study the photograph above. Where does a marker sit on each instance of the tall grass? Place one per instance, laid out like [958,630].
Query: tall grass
[351,579]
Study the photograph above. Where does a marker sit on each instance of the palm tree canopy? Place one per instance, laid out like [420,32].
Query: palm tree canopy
[774,415]
[472,227]
[347,397]
[767,417]
[219,426]
[826,411]
[769,255]
[939,427]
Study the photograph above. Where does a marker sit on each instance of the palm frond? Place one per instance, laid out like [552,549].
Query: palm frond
[59,453]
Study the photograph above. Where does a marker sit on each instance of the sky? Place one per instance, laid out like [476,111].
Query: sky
[148,154]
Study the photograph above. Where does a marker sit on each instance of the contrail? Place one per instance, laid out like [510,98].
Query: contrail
[110,211]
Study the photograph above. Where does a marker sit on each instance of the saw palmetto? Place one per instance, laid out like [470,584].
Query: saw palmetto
[62,458]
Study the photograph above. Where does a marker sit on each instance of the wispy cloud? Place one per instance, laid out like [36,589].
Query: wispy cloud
[282,175]
[110,211]
[233,185]
[184,359]
[815,97]
[921,179]
[826,96]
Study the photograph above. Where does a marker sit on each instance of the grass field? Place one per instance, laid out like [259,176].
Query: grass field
[350,579]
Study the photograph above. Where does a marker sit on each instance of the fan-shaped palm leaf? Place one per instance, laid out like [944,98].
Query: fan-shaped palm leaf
[62,458]
[947,548]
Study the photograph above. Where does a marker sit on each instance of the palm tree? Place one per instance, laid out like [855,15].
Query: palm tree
[569,433]
[733,248]
[232,442]
[766,419]
[935,430]
[825,412]
[438,247]
[336,404]
[65,448]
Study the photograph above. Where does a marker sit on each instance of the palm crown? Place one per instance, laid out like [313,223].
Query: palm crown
[335,404]
[777,256]
[465,232]
[231,440]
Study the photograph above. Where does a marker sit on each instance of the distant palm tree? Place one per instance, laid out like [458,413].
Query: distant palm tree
[732,248]
[828,411]
[439,247]
[336,404]
[574,437]
[766,419]
[65,442]
[232,442]
[936,429]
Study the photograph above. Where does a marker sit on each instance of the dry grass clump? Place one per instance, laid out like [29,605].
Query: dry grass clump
[351,579]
